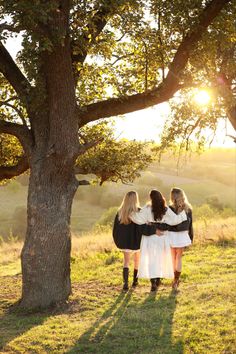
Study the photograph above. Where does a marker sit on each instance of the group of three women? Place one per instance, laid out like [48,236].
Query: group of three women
[160,233]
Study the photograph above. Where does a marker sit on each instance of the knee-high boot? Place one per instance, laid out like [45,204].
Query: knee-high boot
[135,278]
[126,278]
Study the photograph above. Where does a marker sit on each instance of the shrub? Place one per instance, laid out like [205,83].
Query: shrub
[107,217]
[214,202]
[227,212]
[204,212]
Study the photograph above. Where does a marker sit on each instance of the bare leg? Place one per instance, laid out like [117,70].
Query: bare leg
[136,259]
[173,255]
[178,263]
[126,259]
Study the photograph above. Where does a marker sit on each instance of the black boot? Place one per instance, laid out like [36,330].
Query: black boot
[154,286]
[126,278]
[135,279]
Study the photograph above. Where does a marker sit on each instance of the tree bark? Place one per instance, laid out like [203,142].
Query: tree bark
[45,256]
[46,253]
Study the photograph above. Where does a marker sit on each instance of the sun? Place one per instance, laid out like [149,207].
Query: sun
[202,97]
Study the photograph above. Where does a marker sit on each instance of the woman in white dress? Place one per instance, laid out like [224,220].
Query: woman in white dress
[179,240]
[155,252]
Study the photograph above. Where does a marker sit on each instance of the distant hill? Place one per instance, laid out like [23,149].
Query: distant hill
[211,174]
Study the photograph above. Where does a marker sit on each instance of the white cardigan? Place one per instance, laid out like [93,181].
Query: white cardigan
[145,216]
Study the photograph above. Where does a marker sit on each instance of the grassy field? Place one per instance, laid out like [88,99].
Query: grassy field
[100,318]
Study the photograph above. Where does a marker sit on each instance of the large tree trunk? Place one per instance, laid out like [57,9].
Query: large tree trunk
[46,252]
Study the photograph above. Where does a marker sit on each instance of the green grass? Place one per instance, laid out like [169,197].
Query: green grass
[100,318]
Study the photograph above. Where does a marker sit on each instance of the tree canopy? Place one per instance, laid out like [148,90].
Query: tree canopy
[126,55]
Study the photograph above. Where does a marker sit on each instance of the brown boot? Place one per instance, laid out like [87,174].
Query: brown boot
[135,278]
[126,278]
[175,283]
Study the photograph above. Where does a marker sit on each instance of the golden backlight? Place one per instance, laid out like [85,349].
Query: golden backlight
[202,97]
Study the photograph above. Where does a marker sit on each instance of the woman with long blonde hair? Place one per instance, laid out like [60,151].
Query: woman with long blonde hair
[127,235]
[179,240]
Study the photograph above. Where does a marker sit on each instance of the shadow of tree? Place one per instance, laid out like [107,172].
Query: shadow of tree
[131,327]
[14,323]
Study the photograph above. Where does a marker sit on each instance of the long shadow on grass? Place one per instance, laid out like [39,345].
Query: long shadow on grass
[13,324]
[131,326]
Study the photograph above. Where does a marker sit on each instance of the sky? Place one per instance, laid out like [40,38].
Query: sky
[147,124]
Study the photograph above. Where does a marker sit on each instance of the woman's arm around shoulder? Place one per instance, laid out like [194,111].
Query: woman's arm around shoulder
[142,216]
[173,219]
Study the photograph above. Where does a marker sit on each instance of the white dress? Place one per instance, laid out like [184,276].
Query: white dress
[179,239]
[155,252]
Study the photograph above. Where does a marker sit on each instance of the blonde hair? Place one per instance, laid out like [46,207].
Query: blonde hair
[129,205]
[179,200]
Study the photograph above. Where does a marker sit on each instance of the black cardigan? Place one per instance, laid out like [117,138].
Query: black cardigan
[129,236]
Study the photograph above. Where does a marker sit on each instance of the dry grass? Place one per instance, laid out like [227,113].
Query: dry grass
[100,239]
[215,230]
[96,241]
[205,230]
[10,251]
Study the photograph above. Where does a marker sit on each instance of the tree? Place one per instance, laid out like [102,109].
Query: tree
[75,55]
[112,159]
[212,67]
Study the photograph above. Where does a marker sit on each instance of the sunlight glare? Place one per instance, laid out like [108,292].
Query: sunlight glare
[202,97]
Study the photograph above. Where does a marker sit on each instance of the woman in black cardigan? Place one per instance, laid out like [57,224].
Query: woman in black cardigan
[127,235]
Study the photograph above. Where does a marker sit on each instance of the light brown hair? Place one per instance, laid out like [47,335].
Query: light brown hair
[179,200]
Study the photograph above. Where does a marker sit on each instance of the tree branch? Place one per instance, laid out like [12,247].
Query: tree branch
[20,131]
[83,148]
[84,182]
[7,172]
[11,28]
[94,28]
[14,75]
[17,110]
[121,57]
[170,85]
[80,171]
[224,88]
